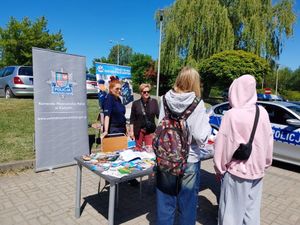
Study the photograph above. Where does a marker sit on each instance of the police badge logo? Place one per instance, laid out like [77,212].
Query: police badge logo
[62,79]
[61,83]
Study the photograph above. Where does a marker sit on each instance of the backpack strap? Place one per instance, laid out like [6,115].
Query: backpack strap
[191,108]
[166,107]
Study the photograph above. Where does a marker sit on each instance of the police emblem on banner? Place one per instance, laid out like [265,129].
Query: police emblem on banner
[61,83]
[62,79]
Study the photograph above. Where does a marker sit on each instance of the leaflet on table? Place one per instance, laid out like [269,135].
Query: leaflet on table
[119,164]
[129,155]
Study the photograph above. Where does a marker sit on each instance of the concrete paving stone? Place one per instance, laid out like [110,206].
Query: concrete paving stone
[7,215]
[7,221]
[7,204]
[93,221]
[46,209]
[17,218]
[58,212]
[294,218]
[275,223]
[44,219]
[32,214]
[284,221]
[54,207]
[65,220]
[34,221]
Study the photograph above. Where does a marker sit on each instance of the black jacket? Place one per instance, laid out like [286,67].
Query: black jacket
[137,117]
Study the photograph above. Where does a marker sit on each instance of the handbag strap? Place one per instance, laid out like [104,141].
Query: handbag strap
[142,107]
[254,125]
[143,111]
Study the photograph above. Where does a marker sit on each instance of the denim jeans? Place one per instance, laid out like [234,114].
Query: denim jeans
[186,200]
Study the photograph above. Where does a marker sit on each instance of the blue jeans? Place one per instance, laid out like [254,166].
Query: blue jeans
[186,200]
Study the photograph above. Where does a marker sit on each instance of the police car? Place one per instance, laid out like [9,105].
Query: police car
[285,120]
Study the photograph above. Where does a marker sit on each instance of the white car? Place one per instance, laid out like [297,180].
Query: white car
[91,85]
[285,120]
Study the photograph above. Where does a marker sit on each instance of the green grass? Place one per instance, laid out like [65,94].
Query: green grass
[17,128]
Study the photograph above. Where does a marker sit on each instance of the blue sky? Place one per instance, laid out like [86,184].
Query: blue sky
[88,25]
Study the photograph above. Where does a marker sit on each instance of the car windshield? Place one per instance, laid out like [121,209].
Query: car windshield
[91,77]
[294,108]
[25,71]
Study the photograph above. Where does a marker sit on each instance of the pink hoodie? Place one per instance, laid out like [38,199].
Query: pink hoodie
[236,128]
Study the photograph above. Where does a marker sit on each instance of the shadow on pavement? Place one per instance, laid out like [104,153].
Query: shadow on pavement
[207,212]
[131,204]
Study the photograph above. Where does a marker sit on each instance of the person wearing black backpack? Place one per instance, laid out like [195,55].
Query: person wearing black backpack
[243,151]
[183,128]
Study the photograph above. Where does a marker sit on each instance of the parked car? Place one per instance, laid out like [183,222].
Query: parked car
[295,102]
[269,97]
[91,85]
[16,81]
[285,120]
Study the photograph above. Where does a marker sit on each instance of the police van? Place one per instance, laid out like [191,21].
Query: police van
[285,120]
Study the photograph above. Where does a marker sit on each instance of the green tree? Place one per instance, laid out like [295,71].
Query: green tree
[284,78]
[194,30]
[294,80]
[125,54]
[141,66]
[18,38]
[222,68]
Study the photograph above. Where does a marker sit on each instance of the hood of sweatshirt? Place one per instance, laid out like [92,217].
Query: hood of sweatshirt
[178,102]
[242,92]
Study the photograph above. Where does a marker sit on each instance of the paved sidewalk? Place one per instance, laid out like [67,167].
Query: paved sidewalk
[49,198]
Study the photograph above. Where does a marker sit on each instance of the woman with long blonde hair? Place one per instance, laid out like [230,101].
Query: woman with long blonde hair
[185,92]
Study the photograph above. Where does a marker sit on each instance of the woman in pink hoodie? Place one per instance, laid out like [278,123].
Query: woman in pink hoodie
[241,186]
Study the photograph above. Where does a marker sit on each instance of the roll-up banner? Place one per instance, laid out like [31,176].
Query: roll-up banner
[60,108]
[107,72]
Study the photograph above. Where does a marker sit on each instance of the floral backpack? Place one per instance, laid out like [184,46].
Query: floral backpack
[171,140]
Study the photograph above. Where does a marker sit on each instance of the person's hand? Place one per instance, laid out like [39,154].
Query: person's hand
[103,134]
[131,135]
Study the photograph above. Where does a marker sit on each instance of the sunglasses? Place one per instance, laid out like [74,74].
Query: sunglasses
[145,92]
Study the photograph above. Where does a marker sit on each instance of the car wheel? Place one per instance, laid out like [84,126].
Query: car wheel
[8,93]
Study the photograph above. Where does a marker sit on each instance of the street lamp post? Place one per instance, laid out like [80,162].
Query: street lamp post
[161,12]
[118,48]
[276,84]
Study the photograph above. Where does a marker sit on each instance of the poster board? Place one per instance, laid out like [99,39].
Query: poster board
[60,108]
[107,72]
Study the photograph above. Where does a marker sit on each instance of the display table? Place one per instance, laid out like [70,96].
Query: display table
[113,181]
